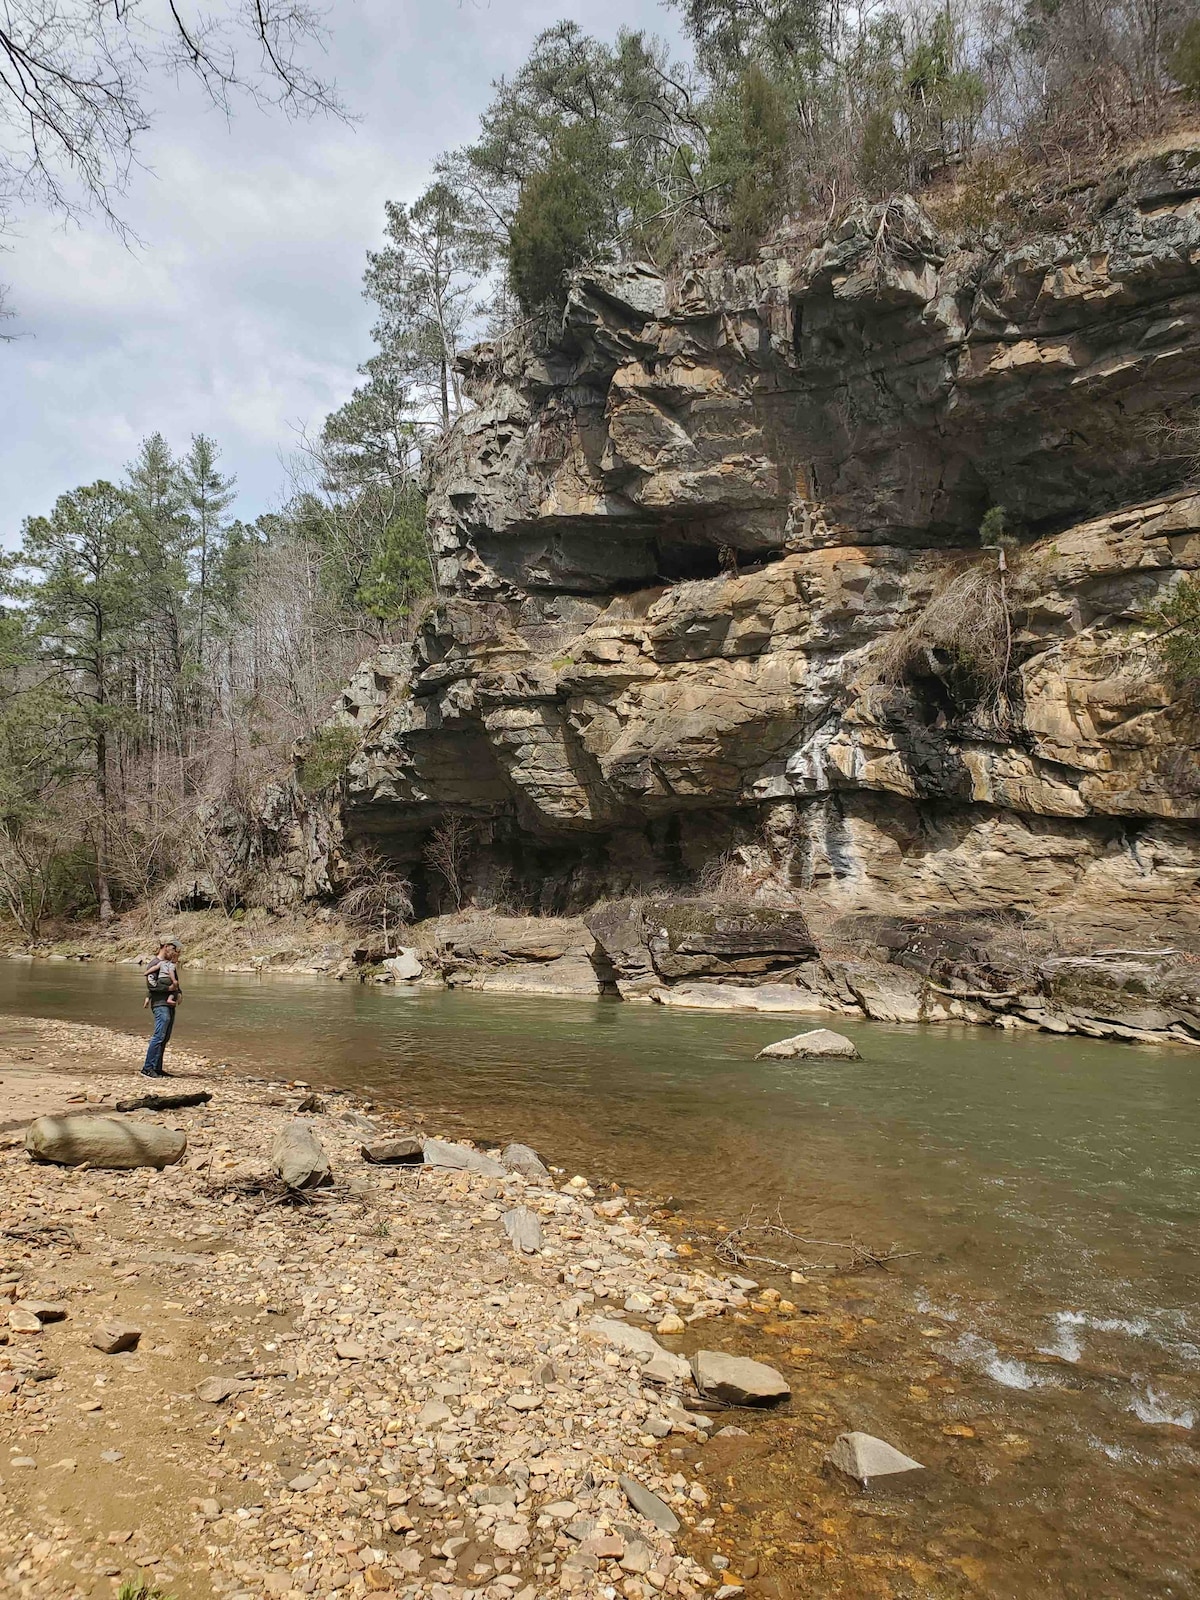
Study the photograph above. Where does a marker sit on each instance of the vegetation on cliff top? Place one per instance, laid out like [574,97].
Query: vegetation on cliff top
[790,109]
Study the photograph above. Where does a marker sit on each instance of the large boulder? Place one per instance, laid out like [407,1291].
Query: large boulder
[817,1044]
[405,966]
[737,1379]
[117,1143]
[299,1158]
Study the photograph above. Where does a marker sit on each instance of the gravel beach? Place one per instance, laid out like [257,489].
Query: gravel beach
[417,1380]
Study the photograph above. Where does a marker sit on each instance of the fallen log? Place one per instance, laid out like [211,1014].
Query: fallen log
[165,1102]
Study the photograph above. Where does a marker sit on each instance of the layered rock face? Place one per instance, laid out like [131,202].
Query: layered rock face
[690,547]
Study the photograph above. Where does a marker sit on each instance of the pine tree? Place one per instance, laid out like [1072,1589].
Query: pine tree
[208,494]
[86,602]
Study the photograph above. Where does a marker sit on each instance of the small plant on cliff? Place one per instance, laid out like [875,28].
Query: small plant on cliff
[1177,642]
[325,756]
[963,638]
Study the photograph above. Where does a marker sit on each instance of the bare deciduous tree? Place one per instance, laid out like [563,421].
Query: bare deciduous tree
[448,853]
[76,79]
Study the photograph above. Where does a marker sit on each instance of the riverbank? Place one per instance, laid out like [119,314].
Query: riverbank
[892,970]
[363,1392]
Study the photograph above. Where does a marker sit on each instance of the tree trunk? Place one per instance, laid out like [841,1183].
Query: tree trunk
[103,890]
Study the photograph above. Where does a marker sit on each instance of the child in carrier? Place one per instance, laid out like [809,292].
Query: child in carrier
[162,996]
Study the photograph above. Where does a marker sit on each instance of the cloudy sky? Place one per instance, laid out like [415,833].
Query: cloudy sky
[240,313]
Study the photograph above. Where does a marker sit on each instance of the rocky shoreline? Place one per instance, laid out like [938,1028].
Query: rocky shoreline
[692,953]
[375,1387]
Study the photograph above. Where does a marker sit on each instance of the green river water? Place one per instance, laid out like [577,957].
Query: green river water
[1044,1192]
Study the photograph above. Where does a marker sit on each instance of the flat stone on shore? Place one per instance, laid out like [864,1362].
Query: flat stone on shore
[737,1379]
[114,1337]
[646,1502]
[524,1230]
[441,1153]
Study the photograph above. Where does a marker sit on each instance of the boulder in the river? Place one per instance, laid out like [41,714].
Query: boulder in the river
[299,1158]
[651,1507]
[520,1158]
[863,1456]
[405,966]
[441,1153]
[405,1151]
[737,1379]
[116,1143]
[817,1044]
[524,1230]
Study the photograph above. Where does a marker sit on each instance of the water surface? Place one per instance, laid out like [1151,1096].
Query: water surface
[1042,1192]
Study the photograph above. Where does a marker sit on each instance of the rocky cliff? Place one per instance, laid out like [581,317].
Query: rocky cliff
[716,610]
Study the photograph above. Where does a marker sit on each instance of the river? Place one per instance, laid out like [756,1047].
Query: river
[1040,1193]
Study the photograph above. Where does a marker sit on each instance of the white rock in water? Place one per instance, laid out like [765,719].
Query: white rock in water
[405,965]
[738,1379]
[819,1043]
[299,1158]
[524,1229]
[863,1456]
[440,1153]
[116,1143]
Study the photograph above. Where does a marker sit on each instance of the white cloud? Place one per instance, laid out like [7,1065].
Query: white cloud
[240,313]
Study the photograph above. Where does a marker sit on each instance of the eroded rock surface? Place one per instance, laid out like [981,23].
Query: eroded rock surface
[676,545]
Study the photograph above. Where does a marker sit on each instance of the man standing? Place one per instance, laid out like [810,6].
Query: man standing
[163,993]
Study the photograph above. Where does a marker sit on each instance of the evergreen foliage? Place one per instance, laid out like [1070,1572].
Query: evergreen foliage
[747,157]
[559,221]
[1178,638]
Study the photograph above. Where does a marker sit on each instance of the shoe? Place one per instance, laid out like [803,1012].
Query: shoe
[146,1074]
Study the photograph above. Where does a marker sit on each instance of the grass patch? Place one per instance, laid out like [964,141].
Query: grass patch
[142,1588]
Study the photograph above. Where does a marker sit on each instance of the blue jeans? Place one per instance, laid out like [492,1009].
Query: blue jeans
[164,1021]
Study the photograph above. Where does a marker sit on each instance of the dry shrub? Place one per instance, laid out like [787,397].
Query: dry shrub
[1174,440]
[375,896]
[963,637]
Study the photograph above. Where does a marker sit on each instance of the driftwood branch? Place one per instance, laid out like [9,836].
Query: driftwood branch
[746,1246]
[165,1102]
